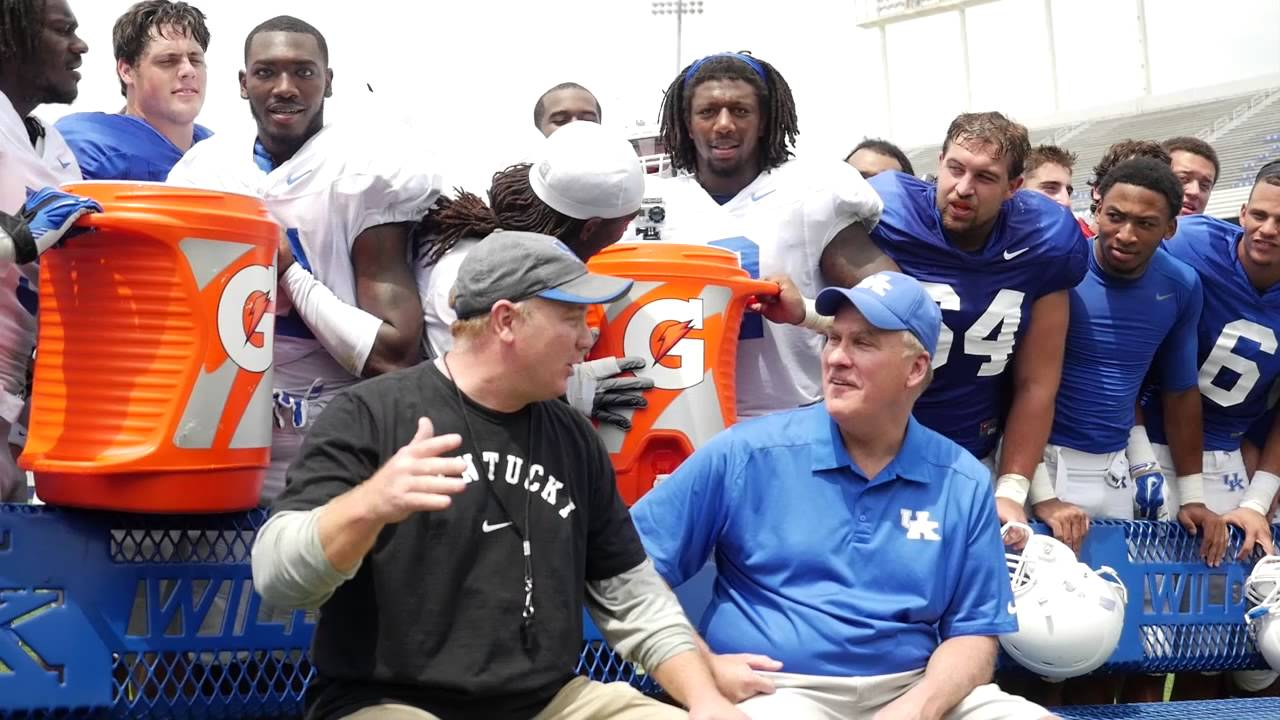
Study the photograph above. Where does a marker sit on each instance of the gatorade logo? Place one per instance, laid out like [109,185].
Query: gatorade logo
[661,331]
[256,306]
[246,317]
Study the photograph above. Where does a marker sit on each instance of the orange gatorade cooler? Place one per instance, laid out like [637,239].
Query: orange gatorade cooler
[153,371]
[682,316]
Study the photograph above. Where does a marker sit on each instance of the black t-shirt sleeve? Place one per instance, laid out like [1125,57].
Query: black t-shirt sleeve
[340,451]
[613,545]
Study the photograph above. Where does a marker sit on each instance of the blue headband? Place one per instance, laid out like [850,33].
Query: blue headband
[750,61]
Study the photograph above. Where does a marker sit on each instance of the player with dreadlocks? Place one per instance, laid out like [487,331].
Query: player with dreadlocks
[583,189]
[729,122]
[39,54]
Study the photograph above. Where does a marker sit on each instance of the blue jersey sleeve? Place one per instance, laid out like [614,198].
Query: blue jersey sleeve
[1052,233]
[98,161]
[681,518]
[121,147]
[1177,354]
[983,601]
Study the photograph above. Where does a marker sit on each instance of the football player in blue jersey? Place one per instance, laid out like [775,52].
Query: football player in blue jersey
[159,48]
[999,263]
[1238,355]
[1136,310]
[1117,153]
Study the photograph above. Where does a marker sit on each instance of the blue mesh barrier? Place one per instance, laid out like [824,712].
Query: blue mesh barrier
[111,615]
[1182,615]
[114,615]
[1242,709]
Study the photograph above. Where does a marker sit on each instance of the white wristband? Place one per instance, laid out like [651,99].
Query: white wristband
[1139,450]
[1042,485]
[813,320]
[1262,489]
[1191,489]
[346,331]
[1013,487]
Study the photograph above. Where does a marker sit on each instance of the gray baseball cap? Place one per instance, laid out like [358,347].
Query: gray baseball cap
[515,266]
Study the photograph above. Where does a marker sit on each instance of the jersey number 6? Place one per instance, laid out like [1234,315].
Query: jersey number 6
[1222,357]
[1004,312]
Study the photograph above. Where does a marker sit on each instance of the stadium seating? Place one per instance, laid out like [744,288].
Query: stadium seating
[105,614]
[1241,128]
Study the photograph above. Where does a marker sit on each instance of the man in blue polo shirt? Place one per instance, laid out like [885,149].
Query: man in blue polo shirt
[854,545]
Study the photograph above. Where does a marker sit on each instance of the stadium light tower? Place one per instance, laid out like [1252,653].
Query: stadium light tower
[679,8]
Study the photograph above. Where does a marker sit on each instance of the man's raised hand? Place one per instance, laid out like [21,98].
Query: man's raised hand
[416,478]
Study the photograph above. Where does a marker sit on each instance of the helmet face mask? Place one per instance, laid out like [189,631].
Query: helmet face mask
[1069,616]
[1262,594]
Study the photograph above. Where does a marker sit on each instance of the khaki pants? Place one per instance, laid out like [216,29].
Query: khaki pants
[579,699]
[814,697]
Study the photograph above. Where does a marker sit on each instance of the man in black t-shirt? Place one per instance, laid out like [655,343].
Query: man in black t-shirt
[450,521]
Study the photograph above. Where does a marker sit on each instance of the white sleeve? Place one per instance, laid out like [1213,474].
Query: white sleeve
[187,171]
[290,568]
[640,616]
[393,182]
[437,314]
[840,197]
[347,331]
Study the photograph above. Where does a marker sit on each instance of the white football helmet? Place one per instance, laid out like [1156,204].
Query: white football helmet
[1069,616]
[1262,594]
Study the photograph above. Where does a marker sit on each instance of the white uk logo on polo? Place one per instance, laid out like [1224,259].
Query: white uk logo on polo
[919,526]
[246,317]
[878,284]
[660,331]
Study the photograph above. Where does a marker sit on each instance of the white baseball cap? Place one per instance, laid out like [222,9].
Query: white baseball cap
[585,170]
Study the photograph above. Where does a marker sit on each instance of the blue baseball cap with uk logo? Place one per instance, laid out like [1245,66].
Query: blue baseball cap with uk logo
[889,301]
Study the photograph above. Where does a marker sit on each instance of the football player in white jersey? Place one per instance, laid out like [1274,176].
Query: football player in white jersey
[729,123]
[348,306]
[39,54]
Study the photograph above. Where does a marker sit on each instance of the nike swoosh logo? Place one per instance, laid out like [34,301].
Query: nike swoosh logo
[757,197]
[486,527]
[64,163]
[296,177]
[1011,255]
[1163,297]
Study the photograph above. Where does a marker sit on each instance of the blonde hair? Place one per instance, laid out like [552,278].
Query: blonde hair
[474,328]
[912,347]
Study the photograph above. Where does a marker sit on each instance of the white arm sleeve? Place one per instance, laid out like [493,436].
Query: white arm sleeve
[346,331]
[289,565]
[639,616]
[841,198]
[1262,490]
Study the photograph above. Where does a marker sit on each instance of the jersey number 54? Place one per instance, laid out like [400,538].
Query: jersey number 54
[1001,318]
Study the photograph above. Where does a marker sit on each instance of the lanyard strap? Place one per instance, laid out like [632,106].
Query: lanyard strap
[526,615]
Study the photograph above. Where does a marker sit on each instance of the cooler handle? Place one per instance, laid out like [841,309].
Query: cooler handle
[756,287]
[131,221]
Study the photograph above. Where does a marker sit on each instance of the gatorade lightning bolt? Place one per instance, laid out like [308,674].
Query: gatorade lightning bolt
[682,316]
[156,332]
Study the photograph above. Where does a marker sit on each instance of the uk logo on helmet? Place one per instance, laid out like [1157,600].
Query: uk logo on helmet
[664,331]
[246,317]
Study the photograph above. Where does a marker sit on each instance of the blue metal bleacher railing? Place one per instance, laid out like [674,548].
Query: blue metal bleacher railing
[113,615]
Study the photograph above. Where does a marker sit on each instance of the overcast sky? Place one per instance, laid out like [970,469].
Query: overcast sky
[467,73]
